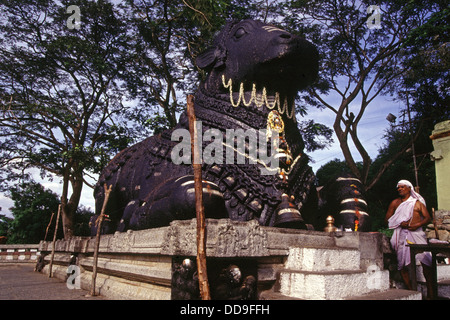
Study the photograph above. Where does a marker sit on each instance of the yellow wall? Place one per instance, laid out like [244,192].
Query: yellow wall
[441,157]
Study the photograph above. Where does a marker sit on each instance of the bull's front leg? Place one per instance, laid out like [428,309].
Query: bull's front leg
[172,200]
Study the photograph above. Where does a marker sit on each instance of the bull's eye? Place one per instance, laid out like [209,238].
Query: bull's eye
[240,33]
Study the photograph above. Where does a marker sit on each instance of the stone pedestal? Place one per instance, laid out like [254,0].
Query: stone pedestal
[139,264]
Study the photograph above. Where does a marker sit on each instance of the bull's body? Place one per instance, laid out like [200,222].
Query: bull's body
[249,62]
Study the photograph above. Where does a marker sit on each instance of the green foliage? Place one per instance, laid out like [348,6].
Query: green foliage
[60,91]
[329,171]
[5,225]
[32,210]
[81,223]
[315,135]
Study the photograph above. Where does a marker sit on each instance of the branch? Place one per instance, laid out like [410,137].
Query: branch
[393,159]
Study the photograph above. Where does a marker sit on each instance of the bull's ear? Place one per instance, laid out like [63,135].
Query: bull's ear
[206,59]
[213,57]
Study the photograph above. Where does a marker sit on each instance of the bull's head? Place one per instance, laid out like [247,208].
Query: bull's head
[262,67]
[254,53]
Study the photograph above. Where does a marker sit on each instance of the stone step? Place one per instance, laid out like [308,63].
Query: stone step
[391,294]
[332,285]
[273,295]
[443,289]
[323,259]
[443,272]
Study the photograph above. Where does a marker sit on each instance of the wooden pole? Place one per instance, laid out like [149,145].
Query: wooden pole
[99,223]
[199,209]
[53,243]
[434,224]
[46,230]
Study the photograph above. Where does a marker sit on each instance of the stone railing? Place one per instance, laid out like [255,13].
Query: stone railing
[18,253]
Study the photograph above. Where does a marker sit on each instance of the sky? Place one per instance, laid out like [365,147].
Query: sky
[371,131]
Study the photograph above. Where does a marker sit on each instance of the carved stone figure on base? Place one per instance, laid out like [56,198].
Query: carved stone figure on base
[231,286]
[226,281]
[185,280]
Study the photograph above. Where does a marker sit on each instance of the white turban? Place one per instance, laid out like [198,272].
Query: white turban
[414,194]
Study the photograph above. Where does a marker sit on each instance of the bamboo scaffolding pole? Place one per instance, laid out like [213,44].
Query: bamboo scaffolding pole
[99,223]
[48,226]
[50,268]
[199,209]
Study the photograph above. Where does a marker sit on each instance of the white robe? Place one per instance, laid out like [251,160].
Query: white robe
[404,212]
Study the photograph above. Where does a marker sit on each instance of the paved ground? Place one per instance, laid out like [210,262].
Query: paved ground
[20,282]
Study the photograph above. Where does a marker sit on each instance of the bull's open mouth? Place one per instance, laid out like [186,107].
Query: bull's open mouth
[259,98]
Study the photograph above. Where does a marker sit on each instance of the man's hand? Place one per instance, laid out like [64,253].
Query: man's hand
[405,225]
[410,227]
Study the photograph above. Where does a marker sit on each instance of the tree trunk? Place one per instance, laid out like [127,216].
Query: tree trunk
[70,206]
[99,224]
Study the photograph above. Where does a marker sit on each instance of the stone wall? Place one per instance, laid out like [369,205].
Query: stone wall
[443,226]
[138,264]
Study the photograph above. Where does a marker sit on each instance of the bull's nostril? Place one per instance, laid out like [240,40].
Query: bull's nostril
[285,35]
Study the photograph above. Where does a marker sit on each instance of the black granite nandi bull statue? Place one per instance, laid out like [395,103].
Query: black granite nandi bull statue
[254,73]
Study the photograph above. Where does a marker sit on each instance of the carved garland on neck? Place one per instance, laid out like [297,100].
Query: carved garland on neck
[260,100]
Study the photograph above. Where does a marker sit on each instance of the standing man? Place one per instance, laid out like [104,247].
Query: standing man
[407,215]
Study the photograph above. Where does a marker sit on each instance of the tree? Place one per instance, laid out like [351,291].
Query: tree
[358,63]
[81,221]
[32,210]
[5,225]
[425,84]
[424,89]
[168,35]
[329,171]
[60,95]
